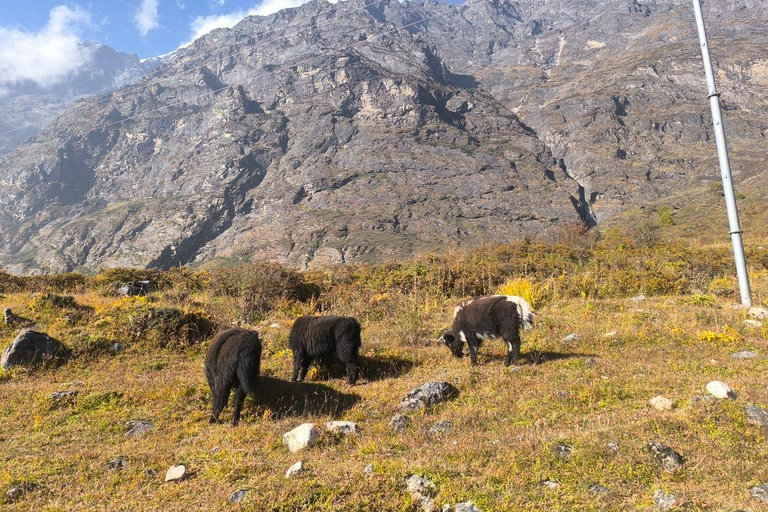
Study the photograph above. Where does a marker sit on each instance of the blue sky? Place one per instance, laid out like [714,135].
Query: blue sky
[145,27]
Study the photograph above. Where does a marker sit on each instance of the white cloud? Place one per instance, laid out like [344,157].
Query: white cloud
[47,56]
[204,24]
[147,17]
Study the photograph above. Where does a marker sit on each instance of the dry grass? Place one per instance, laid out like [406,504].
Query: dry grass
[505,421]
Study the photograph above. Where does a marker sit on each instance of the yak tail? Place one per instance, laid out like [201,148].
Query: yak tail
[524,310]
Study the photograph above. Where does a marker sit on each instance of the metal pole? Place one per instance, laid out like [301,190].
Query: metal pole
[725,166]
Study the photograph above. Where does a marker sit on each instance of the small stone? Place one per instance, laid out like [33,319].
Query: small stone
[15,493]
[137,428]
[150,472]
[760,493]
[669,460]
[758,313]
[563,450]
[598,489]
[563,395]
[612,447]
[637,298]
[176,473]
[549,484]
[215,449]
[368,470]
[295,469]
[117,463]
[275,326]
[118,347]
[302,437]
[756,416]
[720,390]
[661,403]
[63,395]
[8,316]
[744,354]
[441,427]
[238,496]
[590,361]
[399,422]
[341,427]
[702,398]
[610,334]
[427,395]
[753,323]
[514,369]
[570,339]
[664,501]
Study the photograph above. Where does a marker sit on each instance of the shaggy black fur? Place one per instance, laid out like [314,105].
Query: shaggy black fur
[314,336]
[233,361]
[482,318]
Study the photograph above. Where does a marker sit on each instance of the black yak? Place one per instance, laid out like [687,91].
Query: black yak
[314,336]
[482,318]
[233,361]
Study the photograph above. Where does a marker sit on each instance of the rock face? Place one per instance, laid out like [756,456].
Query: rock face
[356,140]
[428,395]
[25,107]
[31,348]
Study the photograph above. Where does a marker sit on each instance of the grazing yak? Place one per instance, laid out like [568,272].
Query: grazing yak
[482,318]
[232,361]
[314,336]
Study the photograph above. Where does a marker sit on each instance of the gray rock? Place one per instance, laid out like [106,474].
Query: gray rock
[15,493]
[8,316]
[137,428]
[31,348]
[669,460]
[237,496]
[117,463]
[570,339]
[753,323]
[368,470]
[758,313]
[664,501]
[423,490]
[562,450]
[136,288]
[342,428]
[441,427]
[612,447]
[62,396]
[301,438]
[760,492]
[756,416]
[428,395]
[637,298]
[118,347]
[744,354]
[399,422]
[599,489]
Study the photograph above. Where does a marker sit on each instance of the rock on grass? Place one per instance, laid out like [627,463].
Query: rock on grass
[664,500]
[302,437]
[756,416]
[720,389]
[669,460]
[760,493]
[428,395]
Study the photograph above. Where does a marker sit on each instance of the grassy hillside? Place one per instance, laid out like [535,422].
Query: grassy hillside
[591,394]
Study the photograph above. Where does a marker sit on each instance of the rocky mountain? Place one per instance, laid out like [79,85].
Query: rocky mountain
[367,130]
[25,107]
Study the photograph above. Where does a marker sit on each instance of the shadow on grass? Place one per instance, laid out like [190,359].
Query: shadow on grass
[285,398]
[536,357]
[371,368]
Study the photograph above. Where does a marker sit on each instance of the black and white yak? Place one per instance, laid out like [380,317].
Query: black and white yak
[233,361]
[482,318]
[316,336]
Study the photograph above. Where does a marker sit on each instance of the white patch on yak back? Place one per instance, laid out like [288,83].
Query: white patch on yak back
[461,306]
[524,310]
[462,336]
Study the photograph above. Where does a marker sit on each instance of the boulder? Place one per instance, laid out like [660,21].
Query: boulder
[758,313]
[295,469]
[423,491]
[302,437]
[137,428]
[428,395]
[760,493]
[31,348]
